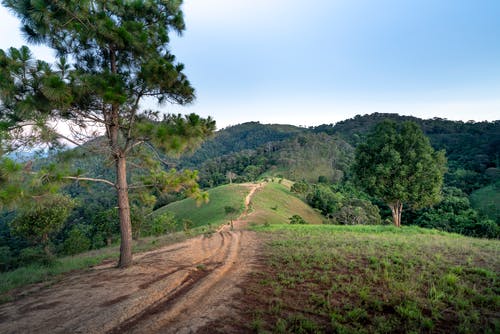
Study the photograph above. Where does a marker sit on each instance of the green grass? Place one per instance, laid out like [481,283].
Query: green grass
[487,201]
[374,279]
[274,204]
[36,273]
[211,213]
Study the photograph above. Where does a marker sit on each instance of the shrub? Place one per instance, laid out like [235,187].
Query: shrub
[77,240]
[296,219]
[32,255]
[38,220]
[357,212]
[301,187]
[187,225]
[162,224]
[7,261]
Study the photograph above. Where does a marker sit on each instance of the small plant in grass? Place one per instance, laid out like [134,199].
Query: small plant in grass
[296,219]
[349,279]
[232,213]
[187,225]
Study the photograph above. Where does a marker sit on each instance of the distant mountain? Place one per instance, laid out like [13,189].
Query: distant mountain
[238,138]
[305,156]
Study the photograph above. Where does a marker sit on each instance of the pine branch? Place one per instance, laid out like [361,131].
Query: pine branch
[79,178]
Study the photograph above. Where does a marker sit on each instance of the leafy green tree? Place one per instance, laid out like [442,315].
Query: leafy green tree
[455,214]
[41,218]
[322,197]
[232,213]
[252,172]
[113,55]
[397,164]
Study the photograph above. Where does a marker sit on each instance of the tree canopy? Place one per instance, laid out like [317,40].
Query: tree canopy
[398,165]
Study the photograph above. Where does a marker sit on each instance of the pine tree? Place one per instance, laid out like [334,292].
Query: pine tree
[112,55]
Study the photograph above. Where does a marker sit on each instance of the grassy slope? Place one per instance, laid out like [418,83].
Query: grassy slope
[211,213]
[487,201]
[365,279]
[274,204]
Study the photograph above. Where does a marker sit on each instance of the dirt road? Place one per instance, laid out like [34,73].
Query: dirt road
[176,289]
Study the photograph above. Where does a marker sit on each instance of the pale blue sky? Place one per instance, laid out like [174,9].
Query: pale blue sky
[322,61]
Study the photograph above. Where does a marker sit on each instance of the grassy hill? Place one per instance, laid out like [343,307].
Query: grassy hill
[273,203]
[211,213]
[372,279]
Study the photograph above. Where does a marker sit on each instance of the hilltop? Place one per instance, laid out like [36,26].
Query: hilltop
[270,203]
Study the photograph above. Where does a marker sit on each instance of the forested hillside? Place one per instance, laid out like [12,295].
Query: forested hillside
[469,145]
[238,138]
[306,156]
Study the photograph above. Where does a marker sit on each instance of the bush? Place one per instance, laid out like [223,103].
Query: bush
[357,212]
[161,224]
[454,214]
[38,220]
[486,228]
[7,261]
[187,225]
[301,187]
[296,219]
[77,240]
[32,255]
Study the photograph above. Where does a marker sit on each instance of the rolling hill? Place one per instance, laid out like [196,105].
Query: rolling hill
[272,203]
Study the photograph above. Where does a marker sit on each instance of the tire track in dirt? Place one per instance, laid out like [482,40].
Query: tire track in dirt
[187,305]
[176,289]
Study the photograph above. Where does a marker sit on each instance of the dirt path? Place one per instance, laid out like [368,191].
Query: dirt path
[240,222]
[176,289]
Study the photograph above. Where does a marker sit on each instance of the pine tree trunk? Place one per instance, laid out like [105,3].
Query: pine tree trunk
[124,213]
[396,209]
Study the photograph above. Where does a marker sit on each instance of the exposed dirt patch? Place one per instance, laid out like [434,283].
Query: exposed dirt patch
[176,289]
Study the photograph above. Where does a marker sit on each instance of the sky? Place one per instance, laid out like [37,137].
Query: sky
[322,61]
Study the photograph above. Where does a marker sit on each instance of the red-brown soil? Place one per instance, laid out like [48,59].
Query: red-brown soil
[182,288]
